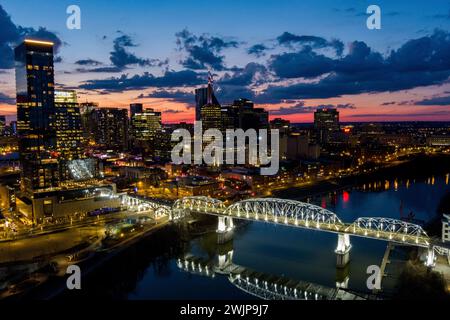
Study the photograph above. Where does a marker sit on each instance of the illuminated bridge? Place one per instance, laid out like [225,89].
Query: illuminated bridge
[302,215]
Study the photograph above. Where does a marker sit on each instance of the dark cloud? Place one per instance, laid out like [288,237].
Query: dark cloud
[301,108]
[147,80]
[419,62]
[107,69]
[11,35]
[305,63]
[88,62]
[172,111]
[203,51]
[121,58]
[177,95]
[436,101]
[4,99]
[289,39]
[258,50]
[246,76]
[389,103]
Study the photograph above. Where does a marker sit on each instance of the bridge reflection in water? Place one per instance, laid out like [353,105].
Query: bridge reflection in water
[262,285]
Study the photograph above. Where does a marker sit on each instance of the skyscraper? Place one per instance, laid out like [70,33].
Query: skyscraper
[87,120]
[36,114]
[2,124]
[111,128]
[136,108]
[204,96]
[326,122]
[69,132]
[147,129]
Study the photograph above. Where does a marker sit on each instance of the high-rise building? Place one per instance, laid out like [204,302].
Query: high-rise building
[111,128]
[204,96]
[326,123]
[36,115]
[69,132]
[136,108]
[243,115]
[87,120]
[2,124]
[211,116]
[147,131]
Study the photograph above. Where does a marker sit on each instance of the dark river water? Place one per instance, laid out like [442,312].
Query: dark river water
[149,269]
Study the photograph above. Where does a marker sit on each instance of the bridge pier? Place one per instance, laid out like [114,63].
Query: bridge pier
[224,260]
[430,258]
[225,229]
[343,250]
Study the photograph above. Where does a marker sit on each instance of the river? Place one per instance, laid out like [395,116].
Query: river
[149,270]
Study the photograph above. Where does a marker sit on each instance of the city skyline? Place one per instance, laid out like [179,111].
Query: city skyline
[290,68]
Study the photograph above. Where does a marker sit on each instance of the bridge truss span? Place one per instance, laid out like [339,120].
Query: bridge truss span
[389,229]
[199,204]
[283,211]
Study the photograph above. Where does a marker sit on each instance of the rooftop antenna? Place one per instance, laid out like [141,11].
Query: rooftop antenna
[210,87]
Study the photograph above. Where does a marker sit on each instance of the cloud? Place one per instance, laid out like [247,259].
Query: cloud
[252,72]
[88,62]
[146,80]
[305,63]
[12,34]
[300,108]
[257,50]
[177,95]
[436,101]
[4,99]
[203,51]
[121,58]
[106,69]
[418,62]
[172,111]
[314,42]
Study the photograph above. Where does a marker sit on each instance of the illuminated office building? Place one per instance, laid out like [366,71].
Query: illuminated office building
[2,124]
[36,115]
[87,121]
[204,96]
[326,123]
[69,133]
[111,128]
[146,125]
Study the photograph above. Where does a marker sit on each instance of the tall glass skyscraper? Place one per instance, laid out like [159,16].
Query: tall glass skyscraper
[36,115]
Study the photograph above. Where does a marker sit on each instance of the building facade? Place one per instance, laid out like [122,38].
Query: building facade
[111,128]
[326,123]
[36,114]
